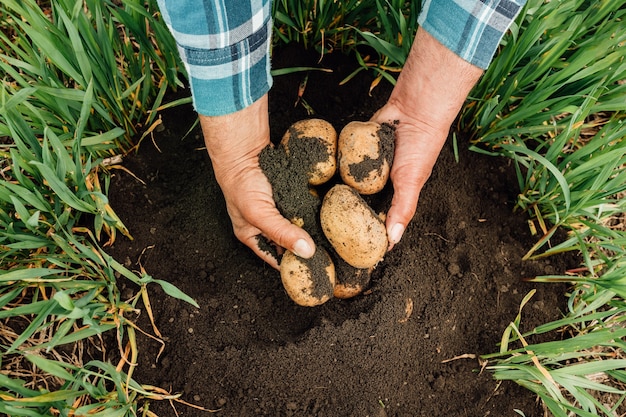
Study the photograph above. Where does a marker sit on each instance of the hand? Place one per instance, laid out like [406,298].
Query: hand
[430,91]
[418,145]
[234,142]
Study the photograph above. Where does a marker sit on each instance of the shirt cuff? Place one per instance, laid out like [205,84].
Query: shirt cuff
[471,29]
[225,48]
[229,79]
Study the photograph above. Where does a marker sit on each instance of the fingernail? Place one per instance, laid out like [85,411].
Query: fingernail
[303,249]
[395,233]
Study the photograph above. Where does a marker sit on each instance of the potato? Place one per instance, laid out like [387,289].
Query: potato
[350,281]
[308,282]
[314,141]
[365,153]
[353,229]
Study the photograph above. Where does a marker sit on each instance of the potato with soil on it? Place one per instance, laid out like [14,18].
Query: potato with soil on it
[350,281]
[356,233]
[315,142]
[308,282]
[365,153]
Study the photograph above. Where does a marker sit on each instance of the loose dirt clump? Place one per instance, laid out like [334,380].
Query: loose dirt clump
[405,347]
[288,174]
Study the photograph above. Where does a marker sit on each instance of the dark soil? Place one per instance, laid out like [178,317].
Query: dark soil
[447,290]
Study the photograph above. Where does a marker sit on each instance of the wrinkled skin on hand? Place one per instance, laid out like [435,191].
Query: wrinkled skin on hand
[430,91]
[234,142]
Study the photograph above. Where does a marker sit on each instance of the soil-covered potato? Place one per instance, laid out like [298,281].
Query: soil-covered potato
[308,282]
[315,140]
[365,153]
[356,233]
[350,281]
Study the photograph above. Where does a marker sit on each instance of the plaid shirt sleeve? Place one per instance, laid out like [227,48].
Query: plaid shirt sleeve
[471,29]
[224,46]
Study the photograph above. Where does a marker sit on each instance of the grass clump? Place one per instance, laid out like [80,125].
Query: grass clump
[81,81]
[321,25]
[379,33]
[554,101]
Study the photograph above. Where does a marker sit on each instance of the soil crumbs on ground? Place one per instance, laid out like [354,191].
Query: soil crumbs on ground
[447,290]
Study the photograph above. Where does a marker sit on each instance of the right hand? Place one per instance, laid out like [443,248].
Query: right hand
[234,142]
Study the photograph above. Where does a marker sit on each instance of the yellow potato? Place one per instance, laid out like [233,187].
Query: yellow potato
[308,282]
[321,161]
[365,153]
[353,229]
[350,281]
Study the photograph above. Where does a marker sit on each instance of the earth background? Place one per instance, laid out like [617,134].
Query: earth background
[408,346]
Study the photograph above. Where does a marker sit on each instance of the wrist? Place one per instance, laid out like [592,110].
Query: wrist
[434,83]
[239,135]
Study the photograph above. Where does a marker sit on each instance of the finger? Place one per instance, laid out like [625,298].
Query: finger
[270,251]
[287,235]
[403,205]
[415,158]
[267,221]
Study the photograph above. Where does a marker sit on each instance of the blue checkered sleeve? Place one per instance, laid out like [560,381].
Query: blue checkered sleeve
[471,29]
[224,46]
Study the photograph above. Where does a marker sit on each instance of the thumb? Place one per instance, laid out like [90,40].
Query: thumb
[415,156]
[284,234]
